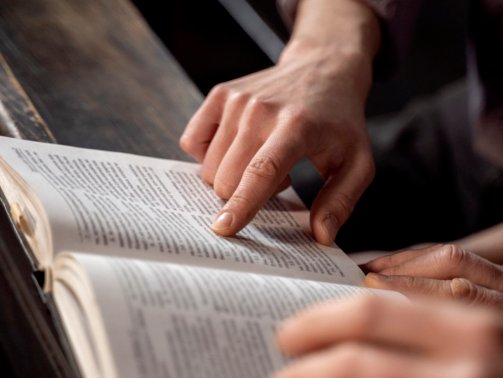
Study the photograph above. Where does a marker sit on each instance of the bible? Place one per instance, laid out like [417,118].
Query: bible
[142,286]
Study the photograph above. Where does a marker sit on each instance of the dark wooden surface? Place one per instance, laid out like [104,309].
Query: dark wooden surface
[97,75]
[86,73]
[18,117]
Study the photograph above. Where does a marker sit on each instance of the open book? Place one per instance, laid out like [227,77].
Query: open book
[142,285]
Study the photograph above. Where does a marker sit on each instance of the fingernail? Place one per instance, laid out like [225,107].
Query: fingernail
[331,227]
[377,276]
[222,222]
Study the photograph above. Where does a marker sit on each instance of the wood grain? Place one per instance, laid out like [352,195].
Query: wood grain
[97,75]
[18,116]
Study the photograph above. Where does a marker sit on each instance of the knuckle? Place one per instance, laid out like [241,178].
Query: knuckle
[412,283]
[308,128]
[461,288]
[296,115]
[259,105]
[237,97]
[302,124]
[298,123]
[452,255]
[263,167]
[219,90]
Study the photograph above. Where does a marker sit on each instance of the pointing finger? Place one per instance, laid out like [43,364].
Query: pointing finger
[397,258]
[255,120]
[260,180]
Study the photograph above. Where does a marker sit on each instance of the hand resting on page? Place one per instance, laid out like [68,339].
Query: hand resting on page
[442,271]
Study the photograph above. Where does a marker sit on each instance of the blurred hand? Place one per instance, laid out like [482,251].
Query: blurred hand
[443,271]
[250,132]
[386,337]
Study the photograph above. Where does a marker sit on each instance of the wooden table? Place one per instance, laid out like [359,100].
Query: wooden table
[85,73]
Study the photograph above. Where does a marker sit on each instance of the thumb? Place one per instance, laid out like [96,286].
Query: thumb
[336,200]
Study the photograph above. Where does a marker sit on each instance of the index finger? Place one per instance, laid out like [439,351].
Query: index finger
[449,261]
[265,172]
[380,263]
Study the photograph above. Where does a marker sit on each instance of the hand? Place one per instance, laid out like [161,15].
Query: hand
[250,132]
[386,337]
[444,271]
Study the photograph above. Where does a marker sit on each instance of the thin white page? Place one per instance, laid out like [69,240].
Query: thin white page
[168,320]
[128,205]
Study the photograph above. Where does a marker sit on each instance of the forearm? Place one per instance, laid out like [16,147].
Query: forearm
[396,23]
[345,25]
[339,31]
[487,243]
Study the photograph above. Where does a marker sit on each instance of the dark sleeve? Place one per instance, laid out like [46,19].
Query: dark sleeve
[485,69]
[398,18]
[397,23]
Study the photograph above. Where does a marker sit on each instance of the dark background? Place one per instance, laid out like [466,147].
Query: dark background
[212,47]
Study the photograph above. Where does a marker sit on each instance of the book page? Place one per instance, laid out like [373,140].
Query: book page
[127,205]
[168,320]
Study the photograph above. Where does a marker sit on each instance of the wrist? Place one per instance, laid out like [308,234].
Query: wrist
[347,24]
[343,33]
[351,23]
